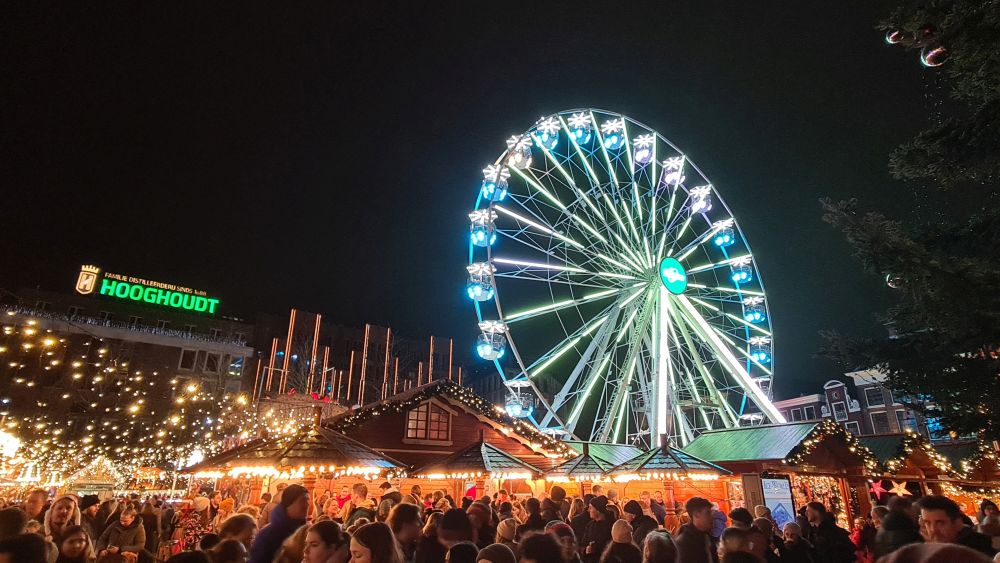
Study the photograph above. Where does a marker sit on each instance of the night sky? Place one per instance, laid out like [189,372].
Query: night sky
[325,158]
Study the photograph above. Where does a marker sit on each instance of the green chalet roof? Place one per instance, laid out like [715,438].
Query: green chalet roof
[769,442]
[885,447]
[957,453]
[478,459]
[586,465]
[666,459]
[608,454]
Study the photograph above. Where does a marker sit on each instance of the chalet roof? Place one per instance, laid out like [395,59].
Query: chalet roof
[667,459]
[885,447]
[310,446]
[583,465]
[610,454]
[752,443]
[958,453]
[454,394]
[479,458]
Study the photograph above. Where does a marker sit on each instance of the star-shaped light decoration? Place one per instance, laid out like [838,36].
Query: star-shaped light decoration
[900,489]
[878,490]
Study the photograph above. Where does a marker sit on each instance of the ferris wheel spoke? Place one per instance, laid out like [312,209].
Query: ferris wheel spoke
[569,178]
[618,404]
[729,361]
[716,265]
[731,316]
[561,305]
[703,238]
[534,183]
[554,353]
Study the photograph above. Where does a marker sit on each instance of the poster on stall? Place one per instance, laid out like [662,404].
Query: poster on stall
[778,497]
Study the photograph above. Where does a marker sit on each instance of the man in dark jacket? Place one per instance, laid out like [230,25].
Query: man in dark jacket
[942,522]
[287,516]
[694,543]
[832,543]
[89,505]
[580,521]
[598,532]
[641,524]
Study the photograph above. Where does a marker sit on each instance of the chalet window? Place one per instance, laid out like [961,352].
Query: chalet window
[427,422]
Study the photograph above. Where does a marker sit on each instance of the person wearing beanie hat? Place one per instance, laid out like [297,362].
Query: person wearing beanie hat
[224,511]
[454,527]
[287,517]
[506,532]
[558,495]
[496,553]
[621,547]
[563,533]
[89,505]
[462,552]
[63,514]
[481,516]
[642,524]
[598,532]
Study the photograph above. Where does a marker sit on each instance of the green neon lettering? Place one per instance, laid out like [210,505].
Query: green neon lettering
[211,305]
[108,286]
[121,290]
[200,304]
[149,294]
[176,299]
[163,298]
[135,293]
[188,301]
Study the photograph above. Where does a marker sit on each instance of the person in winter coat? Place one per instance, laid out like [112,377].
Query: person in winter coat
[360,506]
[89,505]
[942,522]
[621,549]
[641,524]
[63,514]
[287,517]
[694,543]
[75,546]
[125,535]
[898,528]
[833,544]
[794,548]
[150,516]
[598,532]
[534,521]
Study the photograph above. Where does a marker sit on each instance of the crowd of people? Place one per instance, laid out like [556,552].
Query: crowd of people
[387,526]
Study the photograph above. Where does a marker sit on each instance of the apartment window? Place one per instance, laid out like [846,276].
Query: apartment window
[796,415]
[74,311]
[905,419]
[874,397]
[162,324]
[187,360]
[839,411]
[215,333]
[809,413]
[853,428]
[134,320]
[212,362]
[880,423]
[427,422]
[105,315]
[42,305]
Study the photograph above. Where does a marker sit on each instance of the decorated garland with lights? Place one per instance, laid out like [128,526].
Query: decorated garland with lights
[829,429]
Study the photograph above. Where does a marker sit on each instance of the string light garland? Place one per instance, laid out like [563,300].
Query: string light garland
[544,443]
[912,442]
[826,430]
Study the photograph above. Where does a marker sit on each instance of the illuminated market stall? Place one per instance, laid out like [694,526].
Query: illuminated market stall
[578,474]
[911,466]
[478,470]
[317,457]
[978,474]
[786,466]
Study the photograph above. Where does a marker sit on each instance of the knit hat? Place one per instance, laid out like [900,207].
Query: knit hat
[496,553]
[86,501]
[557,493]
[462,551]
[291,494]
[74,516]
[227,505]
[633,508]
[455,526]
[201,504]
[621,532]
[507,529]
[600,503]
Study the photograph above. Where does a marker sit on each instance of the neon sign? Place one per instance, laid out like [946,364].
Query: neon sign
[145,291]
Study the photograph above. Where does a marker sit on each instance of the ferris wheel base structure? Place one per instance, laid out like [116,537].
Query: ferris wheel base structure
[616,294]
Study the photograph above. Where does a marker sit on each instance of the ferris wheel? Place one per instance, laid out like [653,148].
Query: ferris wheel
[615,292]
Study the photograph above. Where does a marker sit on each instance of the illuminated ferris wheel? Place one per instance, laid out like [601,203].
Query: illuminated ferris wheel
[615,292]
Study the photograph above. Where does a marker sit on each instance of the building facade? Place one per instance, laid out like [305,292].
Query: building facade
[870,410]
